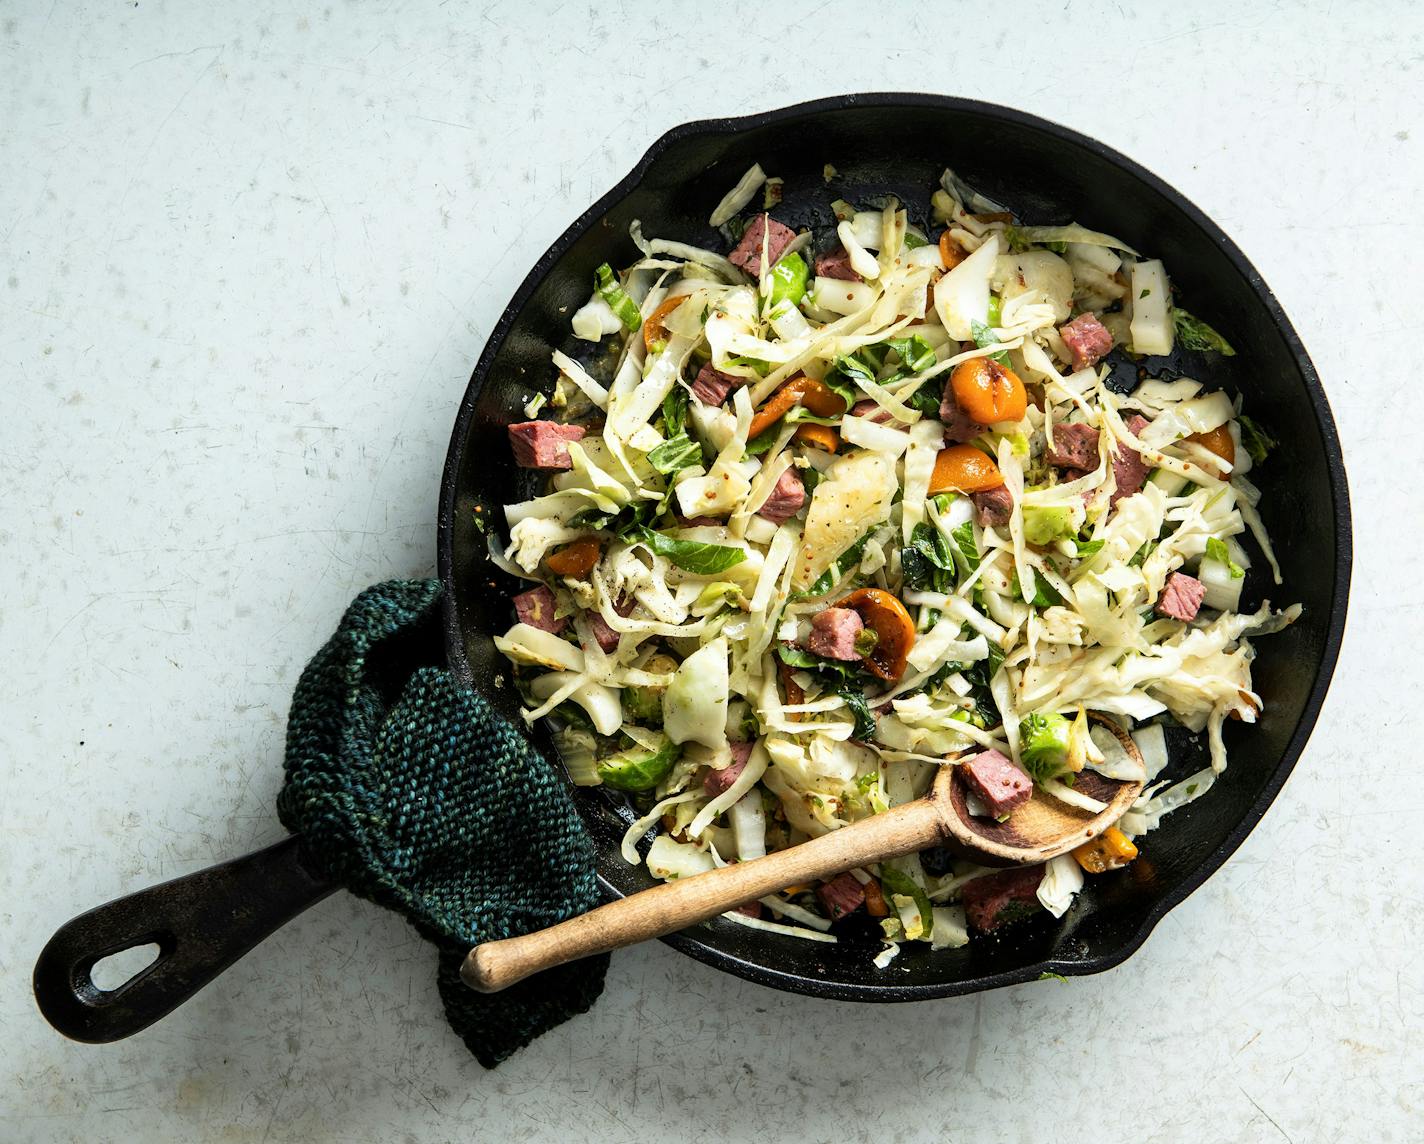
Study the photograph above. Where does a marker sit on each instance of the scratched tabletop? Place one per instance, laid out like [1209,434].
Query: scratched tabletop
[248,256]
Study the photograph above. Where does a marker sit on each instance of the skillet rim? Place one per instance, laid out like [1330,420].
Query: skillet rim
[687,942]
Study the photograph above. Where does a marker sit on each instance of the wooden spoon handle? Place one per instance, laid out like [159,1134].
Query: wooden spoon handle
[676,905]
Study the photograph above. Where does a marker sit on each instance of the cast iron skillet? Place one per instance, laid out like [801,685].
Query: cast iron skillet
[877,144]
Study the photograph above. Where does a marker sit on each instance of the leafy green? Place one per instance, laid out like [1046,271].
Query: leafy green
[981,671]
[1045,595]
[859,707]
[1046,975]
[864,366]
[866,640]
[927,398]
[898,882]
[762,442]
[794,656]
[916,354]
[927,562]
[1194,334]
[1258,442]
[762,367]
[914,239]
[675,411]
[1088,548]
[840,377]
[968,549]
[788,280]
[1217,550]
[837,676]
[626,520]
[985,337]
[996,311]
[800,415]
[606,283]
[1140,556]
[690,555]
[676,453]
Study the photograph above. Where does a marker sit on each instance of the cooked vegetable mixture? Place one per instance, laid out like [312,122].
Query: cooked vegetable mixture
[829,512]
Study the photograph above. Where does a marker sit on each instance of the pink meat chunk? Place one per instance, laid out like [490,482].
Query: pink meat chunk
[997,899]
[872,412]
[748,252]
[836,264]
[1087,339]
[536,608]
[786,498]
[1000,785]
[833,633]
[992,507]
[712,386]
[1075,446]
[719,782]
[750,909]
[840,896]
[1129,469]
[1181,597]
[543,444]
[607,638]
[959,427]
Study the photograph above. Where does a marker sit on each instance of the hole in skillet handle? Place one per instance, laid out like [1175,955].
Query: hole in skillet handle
[123,967]
[200,924]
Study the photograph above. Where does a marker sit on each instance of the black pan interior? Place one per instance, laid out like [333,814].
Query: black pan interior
[899,144]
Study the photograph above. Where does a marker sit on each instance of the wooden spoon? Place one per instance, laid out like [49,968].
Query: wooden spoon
[1041,829]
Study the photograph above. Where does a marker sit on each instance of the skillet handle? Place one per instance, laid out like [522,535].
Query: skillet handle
[201,923]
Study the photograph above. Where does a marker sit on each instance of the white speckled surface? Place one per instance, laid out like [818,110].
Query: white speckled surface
[247,258]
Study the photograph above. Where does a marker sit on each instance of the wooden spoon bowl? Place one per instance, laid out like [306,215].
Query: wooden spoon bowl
[1043,827]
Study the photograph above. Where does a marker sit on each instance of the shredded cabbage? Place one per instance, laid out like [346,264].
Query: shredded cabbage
[693,546]
[739,196]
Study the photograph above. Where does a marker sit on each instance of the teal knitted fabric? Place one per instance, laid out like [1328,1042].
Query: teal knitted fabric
[413,792]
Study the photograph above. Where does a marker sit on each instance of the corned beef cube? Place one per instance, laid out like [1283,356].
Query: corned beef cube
[840,896]
[836,264]
[1000,785]
[992,507]
[536,608]
[717,782]
[543,444]
[1129,469]
[748,252]
[1181,597]
[959,427]
[712,386]
[607,638]
[833,633]
[872,412]
[1087,339]
[1075,446]
[786,498]
[998,899]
